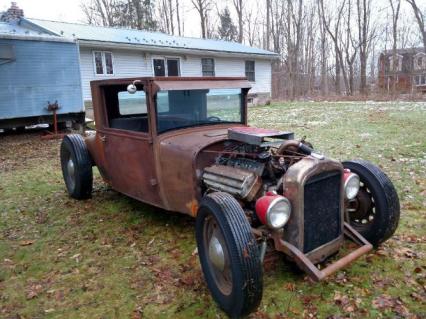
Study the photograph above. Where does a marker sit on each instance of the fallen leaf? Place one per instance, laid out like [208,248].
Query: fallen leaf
[26,242]
[290,286]
[383,302]
[33,291]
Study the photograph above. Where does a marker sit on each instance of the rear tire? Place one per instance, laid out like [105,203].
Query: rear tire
[229,255]
[76,166]
[375,212]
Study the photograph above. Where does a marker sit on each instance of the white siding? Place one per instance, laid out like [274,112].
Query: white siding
[126,64]
[134,63]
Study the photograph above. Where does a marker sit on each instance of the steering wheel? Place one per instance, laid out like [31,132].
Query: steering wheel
[214,119]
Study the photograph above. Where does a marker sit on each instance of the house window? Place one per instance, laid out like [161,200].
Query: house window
[207,66]
[103,61]
[420,79]
[250,73]
[420,61]
[398,62]
[166,66]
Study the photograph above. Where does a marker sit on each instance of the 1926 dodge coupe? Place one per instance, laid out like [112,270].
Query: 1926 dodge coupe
[183,144]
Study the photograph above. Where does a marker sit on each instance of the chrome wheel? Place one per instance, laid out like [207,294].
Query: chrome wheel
[218,255]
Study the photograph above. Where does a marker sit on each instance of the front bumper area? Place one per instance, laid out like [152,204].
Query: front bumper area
[306,264]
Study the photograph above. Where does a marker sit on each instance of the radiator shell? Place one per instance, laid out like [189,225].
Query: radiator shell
[295,181]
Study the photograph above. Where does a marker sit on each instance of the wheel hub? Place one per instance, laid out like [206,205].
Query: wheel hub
[70,168]
[216,253]
[362,205]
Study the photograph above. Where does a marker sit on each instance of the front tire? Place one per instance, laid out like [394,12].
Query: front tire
[375,211]
[76,166]
[229,255]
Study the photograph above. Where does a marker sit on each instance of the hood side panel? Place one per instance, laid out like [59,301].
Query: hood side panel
[176,170]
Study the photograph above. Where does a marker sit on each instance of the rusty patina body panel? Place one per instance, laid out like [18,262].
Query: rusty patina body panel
[176,154]
[167,177]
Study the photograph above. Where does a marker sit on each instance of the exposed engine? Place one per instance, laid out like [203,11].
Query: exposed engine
[253,163]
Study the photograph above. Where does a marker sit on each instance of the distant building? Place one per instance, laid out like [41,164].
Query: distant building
[410,70]
[104,53]
[37,69]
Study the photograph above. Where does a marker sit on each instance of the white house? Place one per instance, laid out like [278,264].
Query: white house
[118,52]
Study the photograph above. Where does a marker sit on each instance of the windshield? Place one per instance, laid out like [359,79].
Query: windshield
[185,108]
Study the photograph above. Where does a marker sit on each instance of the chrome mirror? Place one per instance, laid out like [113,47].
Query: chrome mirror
[131,88]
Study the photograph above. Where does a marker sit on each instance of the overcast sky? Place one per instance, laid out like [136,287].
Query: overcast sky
[70,11]
[62,10]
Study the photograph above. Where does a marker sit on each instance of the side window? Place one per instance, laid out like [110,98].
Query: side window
[250,71]
[99,69]
[207,66]
[159,67]
[126,111]
[131,104]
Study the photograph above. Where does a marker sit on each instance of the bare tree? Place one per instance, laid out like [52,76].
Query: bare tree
[172,27]
[350,48]
[203,7]
[178,17]
[251,19]
[334,35]
[100,12]
[323,56]
[238,5]
[268,24]
[395,7]
[364,38]
[420,17]
[129,13]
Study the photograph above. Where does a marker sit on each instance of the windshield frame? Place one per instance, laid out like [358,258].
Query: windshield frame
[243,112]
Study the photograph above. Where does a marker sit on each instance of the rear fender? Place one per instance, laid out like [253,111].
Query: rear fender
[96,148]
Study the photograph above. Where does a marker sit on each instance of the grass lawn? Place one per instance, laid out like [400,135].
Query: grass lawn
[112,257]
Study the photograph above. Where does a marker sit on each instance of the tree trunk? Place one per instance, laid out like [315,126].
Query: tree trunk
[395,15]
[420,20]
[238,4]
[178,17]
[268,24]
[172,27]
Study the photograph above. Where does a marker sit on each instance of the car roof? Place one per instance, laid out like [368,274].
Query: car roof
[181,83]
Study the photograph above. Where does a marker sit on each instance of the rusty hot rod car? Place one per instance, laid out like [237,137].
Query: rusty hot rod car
[183,144]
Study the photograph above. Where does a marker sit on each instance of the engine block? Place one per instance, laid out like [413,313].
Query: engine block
[238,182]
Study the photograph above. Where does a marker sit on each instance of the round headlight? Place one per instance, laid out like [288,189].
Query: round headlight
[278,212]
[351,185]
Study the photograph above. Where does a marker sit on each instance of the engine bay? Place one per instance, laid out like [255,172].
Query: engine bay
[252,162]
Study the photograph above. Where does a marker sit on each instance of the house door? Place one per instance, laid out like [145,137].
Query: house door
[128,145]
[166,66]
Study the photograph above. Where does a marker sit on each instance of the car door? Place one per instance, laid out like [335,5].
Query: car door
[128,144]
